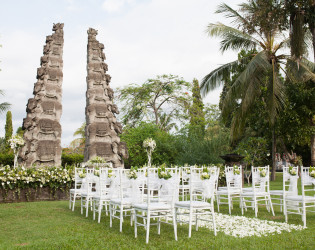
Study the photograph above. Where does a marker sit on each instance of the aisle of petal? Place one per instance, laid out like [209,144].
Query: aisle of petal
[241,226]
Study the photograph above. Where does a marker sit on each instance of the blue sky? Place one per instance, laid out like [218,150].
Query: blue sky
[142,38]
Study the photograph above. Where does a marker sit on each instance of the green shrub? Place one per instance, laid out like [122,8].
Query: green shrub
[7,159]
[71,159]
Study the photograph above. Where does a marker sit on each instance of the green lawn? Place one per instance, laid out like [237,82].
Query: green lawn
[51,225]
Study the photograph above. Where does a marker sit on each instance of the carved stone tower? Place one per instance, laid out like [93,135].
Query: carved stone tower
[42,123]
[102,127]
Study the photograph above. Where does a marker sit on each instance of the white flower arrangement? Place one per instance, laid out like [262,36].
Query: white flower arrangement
[312,172]
[292,171]
[262,172]
[15,143]
[133,173]
[149,144]
[20,177]
[163,173]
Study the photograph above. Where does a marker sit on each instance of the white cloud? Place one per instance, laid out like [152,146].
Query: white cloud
[113,5]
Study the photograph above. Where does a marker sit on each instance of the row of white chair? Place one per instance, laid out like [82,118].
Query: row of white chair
[153,194]
[288,198]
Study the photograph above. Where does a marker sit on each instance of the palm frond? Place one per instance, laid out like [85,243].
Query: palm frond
[301,71]
[215,78]
[232,38]
[238,19]
[4,106]
[254,70]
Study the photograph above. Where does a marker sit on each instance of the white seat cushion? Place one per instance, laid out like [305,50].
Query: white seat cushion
[124,201]
[276,192]
[232,191]
[251,194]
[300,198]
[97,197]
[198,204]
[153,206]
[77,191]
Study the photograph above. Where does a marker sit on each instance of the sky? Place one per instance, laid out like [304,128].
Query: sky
[142,38]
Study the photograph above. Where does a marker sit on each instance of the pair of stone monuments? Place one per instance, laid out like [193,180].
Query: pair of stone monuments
[42,124]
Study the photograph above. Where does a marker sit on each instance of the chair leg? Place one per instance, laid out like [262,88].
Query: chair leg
[159,224]
[87,202]
[100,207]
[304,214]
[135,216]
[270,203]
[121,217]
[73,202]
[93,202]
[285,211]
[148,227]
[110,215]
[213,219]
[82,205]
[218,202]
[190,222]
[229,201]
[255,206]
[175,223]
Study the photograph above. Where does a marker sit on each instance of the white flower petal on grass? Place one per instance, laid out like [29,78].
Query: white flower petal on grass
[241,226]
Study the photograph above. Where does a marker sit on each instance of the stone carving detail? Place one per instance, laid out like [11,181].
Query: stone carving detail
[102,127]
[42,123]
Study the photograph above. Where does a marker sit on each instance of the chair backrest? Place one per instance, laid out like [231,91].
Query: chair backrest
[260,179]
[203,182]
[103,182]
[160,189]
[290,180]
[307,182]
[233,177]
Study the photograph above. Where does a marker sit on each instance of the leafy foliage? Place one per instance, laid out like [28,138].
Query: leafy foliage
[6,159]
[71,159]
[165,96]
[134,137]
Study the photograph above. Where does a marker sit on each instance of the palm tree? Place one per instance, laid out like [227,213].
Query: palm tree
[263,70]
[4,106]
[79,142]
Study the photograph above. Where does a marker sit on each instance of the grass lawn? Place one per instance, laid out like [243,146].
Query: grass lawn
[51,225]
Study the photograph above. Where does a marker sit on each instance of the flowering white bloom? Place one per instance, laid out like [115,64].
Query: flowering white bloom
[149,143]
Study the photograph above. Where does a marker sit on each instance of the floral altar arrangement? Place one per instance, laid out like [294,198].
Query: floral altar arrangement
[16,142]
[149,144]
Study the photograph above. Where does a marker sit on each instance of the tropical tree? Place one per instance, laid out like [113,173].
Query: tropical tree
[258,25]
[196,113]
[78,144]
[8,129]
[164,97]
[302,25]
